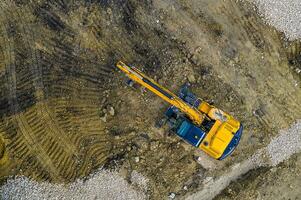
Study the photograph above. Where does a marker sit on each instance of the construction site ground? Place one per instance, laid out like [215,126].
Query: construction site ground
[65,110]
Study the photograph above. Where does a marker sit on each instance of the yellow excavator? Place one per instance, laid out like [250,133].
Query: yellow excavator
[195,121]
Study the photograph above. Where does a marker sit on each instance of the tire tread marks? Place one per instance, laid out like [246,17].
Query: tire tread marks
[46,127]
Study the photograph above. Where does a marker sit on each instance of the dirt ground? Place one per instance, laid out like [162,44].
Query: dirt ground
[65,110]
[281,182]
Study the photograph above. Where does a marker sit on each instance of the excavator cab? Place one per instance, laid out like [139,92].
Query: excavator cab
[181,125]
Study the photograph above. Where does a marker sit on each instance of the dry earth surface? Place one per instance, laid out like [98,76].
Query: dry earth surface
[65,111]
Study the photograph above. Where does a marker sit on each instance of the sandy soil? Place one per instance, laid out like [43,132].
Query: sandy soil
[65,110]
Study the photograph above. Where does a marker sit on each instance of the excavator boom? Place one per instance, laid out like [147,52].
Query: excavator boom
[137,76]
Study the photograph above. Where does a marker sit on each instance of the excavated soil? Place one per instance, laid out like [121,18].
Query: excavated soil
[65,110]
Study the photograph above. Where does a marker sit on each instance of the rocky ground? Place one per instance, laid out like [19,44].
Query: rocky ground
[281,182]
[66,112]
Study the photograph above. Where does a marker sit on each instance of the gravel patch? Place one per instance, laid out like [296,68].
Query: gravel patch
[139,180]
[285,144]
[284,15]
[102,185]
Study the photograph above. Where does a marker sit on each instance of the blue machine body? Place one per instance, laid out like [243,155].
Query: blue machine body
[191,133]
[184,128]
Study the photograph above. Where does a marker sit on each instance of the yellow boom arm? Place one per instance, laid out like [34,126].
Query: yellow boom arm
[137,76]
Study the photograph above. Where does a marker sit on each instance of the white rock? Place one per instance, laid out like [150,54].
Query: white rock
[104,118]
[191,78]
[172,195]
[112,111]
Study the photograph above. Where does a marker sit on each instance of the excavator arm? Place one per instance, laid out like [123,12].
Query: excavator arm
[134,74]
